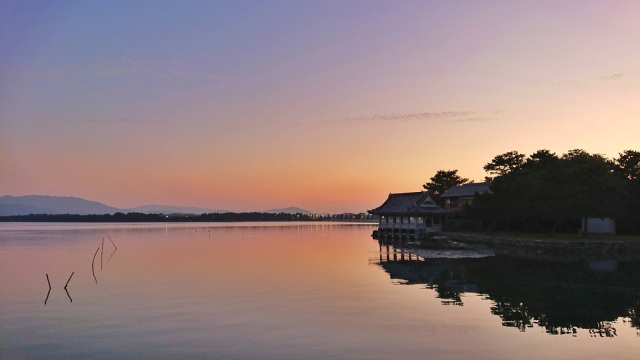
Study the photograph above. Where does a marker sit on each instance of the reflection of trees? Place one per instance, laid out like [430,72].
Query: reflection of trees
[447,283]
[560,297]
[520,317]
[448,293]
[515,315]
[557,296]
[604,329]
[634,315]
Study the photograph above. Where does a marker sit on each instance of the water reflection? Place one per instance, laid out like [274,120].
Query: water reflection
[110,256]
[259,291]
[67,291]
[560,297]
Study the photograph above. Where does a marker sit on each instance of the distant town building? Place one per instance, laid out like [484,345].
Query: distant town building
[409,215]
[460,195]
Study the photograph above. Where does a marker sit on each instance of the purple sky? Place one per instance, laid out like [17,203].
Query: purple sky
[326,105]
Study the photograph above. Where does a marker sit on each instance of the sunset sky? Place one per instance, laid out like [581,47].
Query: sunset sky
[325,105]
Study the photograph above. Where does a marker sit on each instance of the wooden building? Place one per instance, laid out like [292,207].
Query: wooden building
[409,215]
[460,195]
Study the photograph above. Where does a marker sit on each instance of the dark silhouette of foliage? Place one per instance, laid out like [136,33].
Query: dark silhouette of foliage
[442,181]
[629,164]
[504,164]
[540,158]
[545,192]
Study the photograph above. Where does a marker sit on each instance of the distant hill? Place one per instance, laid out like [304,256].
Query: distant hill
[289,210]
[165,209]
[55,205]
[38,204]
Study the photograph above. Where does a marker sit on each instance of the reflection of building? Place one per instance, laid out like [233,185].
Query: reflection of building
[560,297]
[444,279]
[459,196]
[409,215]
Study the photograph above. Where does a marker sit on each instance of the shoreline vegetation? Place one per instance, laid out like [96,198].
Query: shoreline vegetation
[557,248]
[551,237]
[564,248]
[539,206]
[544,193]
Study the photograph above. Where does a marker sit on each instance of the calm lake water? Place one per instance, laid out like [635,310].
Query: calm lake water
[297,291]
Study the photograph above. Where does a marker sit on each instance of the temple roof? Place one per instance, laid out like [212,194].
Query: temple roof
[410,204]
[469,189]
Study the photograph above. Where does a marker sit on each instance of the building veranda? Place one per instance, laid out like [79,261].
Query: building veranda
[409,215]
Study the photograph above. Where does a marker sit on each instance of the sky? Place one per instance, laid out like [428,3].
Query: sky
[325,105]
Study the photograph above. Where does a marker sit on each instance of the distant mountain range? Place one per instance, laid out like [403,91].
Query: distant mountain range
[38,204]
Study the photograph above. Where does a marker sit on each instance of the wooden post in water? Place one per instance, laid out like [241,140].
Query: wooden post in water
[65,286]
[48,292]
[94,260]
[114,245]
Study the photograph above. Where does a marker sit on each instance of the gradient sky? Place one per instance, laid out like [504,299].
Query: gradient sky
[326,105]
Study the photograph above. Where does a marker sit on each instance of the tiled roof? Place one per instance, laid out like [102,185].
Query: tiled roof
[409,203]
[467,190]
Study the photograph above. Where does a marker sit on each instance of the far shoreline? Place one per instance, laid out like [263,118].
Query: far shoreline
[182,218]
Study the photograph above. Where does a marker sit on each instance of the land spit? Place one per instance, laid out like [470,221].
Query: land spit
[552,250]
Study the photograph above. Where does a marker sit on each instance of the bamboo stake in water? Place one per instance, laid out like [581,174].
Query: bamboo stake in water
[65,286]
[114,245]
[94,260]
[94,256]
[48,292]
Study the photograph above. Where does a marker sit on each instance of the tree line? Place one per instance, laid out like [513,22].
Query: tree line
[207,217]
[544,192]
[140,217]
